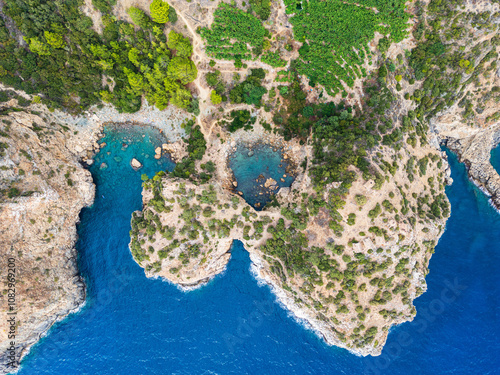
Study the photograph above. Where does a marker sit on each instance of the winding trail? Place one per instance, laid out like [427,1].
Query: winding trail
[199,56]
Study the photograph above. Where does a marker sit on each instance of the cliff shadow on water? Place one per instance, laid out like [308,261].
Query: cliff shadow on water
[260,170]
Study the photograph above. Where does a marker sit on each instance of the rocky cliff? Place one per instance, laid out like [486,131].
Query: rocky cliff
[43,187]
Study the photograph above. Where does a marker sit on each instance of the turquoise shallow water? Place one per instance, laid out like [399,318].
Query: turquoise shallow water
[135,325]
[251,172]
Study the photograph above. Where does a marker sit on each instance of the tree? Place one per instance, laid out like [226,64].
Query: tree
[54,39]
[181,98]
[261,7]
[215,98]
[134,56]
[360,200]
[159,11]
[382,71]
[182,69]
[161,100]
[138,17]
[38,47]
[172,15]
[181,44]
[136,81]
[106,96]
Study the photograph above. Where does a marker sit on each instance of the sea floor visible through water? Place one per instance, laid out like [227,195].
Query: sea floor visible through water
[253,165]
[134,325]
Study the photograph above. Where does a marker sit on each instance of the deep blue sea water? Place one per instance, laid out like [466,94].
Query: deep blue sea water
[135,325]
[251,172]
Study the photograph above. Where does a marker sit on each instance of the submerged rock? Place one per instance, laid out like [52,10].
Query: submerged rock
[250,153]
[103,166]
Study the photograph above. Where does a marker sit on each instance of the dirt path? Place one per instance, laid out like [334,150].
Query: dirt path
[198,56]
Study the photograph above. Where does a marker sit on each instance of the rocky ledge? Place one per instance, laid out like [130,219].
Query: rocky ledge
[474,151]
[43,189]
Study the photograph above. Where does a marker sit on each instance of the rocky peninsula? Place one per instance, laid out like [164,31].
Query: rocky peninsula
[358,282]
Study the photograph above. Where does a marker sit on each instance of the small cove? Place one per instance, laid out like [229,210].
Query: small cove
[253,165]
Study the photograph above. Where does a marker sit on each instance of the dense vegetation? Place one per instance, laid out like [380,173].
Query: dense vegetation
[250,91]
[65,60]
[231,31]
[238,120]
[335,58]
[273,59]
[439,49]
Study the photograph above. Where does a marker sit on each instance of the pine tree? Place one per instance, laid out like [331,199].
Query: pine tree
[54,39]
[159,11]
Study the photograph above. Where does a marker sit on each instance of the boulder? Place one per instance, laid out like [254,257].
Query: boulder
[136,164]
[235,184]
[270,182]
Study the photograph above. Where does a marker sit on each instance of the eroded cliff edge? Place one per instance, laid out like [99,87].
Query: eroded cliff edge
[44,187]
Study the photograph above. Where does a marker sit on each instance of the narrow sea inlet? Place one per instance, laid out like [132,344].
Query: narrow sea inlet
[134,325]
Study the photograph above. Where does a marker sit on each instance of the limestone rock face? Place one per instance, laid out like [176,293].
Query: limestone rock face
[177,150]
[473,147]
[47,187]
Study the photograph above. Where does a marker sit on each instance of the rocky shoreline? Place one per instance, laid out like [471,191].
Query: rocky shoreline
[475,152]
[202,268]
[48,286]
